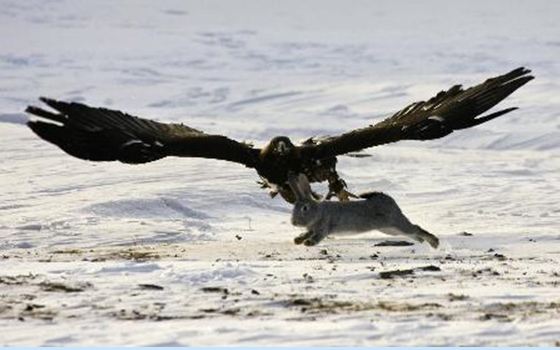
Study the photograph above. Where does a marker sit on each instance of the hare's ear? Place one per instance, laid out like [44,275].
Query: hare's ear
[294,185]
[304,186]
[299,185]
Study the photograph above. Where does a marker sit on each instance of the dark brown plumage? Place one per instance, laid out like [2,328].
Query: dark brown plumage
[101,134]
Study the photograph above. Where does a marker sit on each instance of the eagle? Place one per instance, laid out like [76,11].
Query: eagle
[102,134]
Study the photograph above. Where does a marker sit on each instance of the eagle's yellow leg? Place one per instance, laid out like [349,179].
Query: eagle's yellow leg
[345,196]
[337,187]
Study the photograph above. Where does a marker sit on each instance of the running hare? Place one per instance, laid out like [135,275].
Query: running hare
[376,211]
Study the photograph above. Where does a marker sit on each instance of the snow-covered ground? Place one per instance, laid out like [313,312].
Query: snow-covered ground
[192,252]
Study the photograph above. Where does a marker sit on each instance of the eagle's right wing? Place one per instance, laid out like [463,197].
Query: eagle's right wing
[450,110]
[101,134]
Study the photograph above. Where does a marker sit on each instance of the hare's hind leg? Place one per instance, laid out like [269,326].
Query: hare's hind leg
[412,231]
[398,223]
[426,236]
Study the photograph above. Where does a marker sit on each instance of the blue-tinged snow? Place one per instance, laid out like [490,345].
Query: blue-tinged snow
[79,241]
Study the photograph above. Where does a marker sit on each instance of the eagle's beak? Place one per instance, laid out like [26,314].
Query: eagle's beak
[281,148]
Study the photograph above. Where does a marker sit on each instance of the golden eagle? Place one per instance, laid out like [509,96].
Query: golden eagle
[101,134]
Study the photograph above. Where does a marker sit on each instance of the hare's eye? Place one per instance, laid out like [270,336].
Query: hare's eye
[304,208]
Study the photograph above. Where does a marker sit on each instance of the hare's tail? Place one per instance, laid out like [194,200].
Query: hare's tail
[427,236]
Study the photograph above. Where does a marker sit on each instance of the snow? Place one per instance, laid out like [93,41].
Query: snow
[82,242]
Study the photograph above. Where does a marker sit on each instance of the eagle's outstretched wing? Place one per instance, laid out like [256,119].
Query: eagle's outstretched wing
[101,134]
[449,110]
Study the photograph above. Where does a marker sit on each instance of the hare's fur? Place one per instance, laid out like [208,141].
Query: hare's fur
[377,211]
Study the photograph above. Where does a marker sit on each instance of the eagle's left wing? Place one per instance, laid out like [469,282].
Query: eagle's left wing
[102,134]
[449,110]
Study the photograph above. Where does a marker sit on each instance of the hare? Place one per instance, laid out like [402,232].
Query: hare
[376,211]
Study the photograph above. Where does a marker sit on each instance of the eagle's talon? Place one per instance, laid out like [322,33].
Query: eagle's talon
[344,196]
[316,196]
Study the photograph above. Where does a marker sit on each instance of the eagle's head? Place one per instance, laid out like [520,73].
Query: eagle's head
[278,158]
[281,146]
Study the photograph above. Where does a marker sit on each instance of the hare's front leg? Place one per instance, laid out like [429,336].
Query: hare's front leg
[319,232]
[302,237]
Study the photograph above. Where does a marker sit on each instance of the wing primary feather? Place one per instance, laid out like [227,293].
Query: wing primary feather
[103,134]
[45,114]
[449,110]
[480,120]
